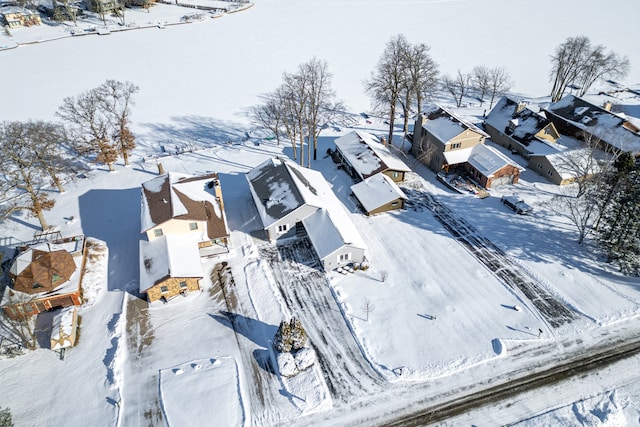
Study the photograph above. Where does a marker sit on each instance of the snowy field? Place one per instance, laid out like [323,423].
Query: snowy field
[440,320]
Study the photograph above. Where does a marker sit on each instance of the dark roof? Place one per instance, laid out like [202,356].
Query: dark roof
[527,123]
[580,111]
[274,187]
[161,202]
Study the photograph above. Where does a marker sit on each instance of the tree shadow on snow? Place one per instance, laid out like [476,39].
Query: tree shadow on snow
[256,331]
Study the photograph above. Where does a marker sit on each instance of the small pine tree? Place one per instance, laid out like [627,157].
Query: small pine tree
[5,418]
[282,340]
[298,334]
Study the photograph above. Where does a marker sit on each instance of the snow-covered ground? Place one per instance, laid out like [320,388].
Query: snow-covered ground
[439,319]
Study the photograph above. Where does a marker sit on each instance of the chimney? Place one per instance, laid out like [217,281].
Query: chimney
[521,106]
[607,105]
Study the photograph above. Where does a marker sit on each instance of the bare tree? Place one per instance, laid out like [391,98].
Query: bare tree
[88,127]
[499,83]
[577,62]
[116,99]
[481,81]
[600,65]
[583,201]
[423,73]
[457,86]
[389,78]
[322,106]
[268,115]
[20,330]
[23,171]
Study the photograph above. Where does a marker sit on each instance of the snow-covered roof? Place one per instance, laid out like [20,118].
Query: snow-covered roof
[517,120]
[454,157]
[605,125]
[446,125]
[367,155]
[330,229]
[181,196]
[280,186]
[567,163]
[487,160]
[294,185]
[376,191]
[62,328]
[172,255]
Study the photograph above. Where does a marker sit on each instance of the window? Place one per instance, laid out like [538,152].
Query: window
[549,173]
[164,289]
[456,145]
[183,285]
[157,232]
[193,226]
[539,165]
[282,228]
[395,174]
[344,257]
[394,204]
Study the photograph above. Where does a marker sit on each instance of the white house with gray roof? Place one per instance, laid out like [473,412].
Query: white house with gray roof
[291,200]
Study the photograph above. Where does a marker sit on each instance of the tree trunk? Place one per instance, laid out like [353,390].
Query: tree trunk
[111,168]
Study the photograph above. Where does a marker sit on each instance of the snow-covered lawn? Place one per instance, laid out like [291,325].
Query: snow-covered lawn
[439,318]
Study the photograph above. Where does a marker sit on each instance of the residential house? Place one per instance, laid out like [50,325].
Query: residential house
[378,193]
[169,266]
[490,168]
[563,167]
[176,203]
[363,155]
[16,16]
[103,6]
[445,142]
[574,116]
[46,276]
[442,140]
[513,125]
[295,201]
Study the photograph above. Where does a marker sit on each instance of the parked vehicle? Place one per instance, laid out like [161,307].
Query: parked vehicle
[516,204]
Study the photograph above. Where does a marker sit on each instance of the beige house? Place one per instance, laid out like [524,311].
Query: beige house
[184,204]
[16,17]
[379,193]
[442,140]
[519,129]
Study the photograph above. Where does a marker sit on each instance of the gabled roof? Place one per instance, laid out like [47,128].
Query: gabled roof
[445,125]
[566,163]
[367,155]
[168,256]
[280,187]
[186,197]
[376,191]
[488,160]
[525,123]
[605,125]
